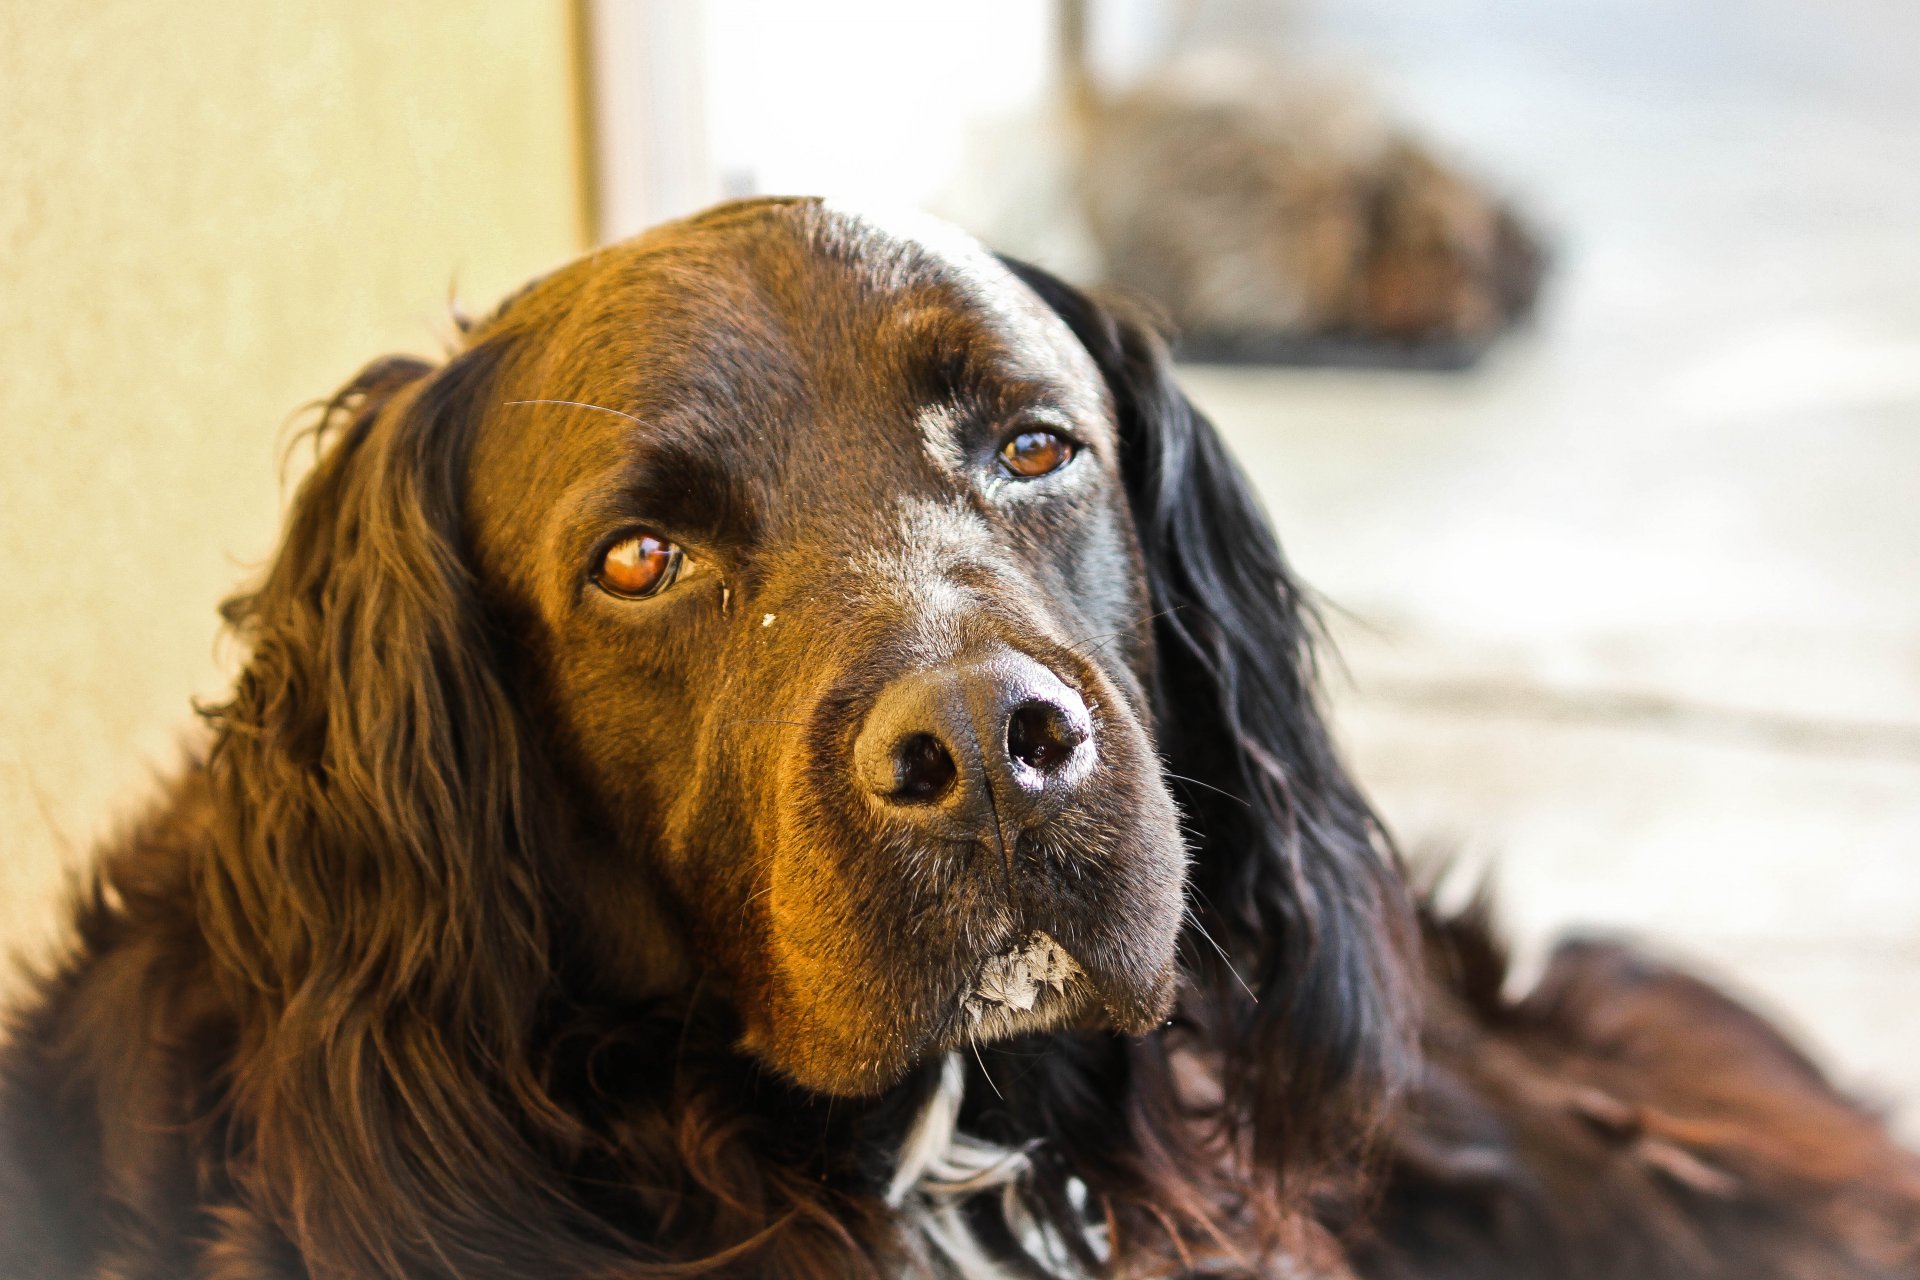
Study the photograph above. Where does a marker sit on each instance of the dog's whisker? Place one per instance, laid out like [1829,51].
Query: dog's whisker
[974,1041]
[579,404]
[754,897]
[1098,642]
[1194,920]
[1181,777]
[1105,637]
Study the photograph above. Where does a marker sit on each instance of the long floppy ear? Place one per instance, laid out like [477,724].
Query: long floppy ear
[1295,880]
[372,901]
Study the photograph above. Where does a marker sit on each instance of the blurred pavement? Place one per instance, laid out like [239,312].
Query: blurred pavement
[1631,614]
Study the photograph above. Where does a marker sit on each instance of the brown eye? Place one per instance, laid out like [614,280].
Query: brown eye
[638,566]
[1035,453]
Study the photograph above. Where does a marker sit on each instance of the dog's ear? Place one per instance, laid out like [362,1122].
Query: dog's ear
[1294,879]
[373,902]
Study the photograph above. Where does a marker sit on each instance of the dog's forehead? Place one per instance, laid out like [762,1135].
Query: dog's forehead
[778,285]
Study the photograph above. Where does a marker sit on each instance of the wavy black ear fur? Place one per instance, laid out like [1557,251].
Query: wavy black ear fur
[1294,879]
[373,900]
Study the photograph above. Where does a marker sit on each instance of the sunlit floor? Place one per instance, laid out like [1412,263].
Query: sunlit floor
[1631,614]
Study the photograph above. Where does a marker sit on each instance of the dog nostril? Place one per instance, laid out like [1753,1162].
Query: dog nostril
[922,768]
[1040,736]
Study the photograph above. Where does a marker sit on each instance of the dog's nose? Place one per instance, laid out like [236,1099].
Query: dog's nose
[999,742]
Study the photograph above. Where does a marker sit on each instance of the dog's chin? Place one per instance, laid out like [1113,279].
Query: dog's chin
[1037,985]
[1033,986]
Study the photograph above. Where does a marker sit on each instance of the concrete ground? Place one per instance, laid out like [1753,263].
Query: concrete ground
[1631,614]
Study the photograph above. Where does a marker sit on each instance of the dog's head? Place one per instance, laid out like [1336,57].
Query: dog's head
[816,542]
[810,612]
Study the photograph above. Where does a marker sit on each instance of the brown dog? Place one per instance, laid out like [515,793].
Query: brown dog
[794,754]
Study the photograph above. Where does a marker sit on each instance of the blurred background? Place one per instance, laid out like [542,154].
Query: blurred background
[1575,348]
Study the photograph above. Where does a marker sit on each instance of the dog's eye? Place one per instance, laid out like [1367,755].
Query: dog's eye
[638,566]
[1035,453]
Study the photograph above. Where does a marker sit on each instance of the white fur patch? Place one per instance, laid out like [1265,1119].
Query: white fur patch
[962,253]
[941,1168]
[937,438]
[914,569]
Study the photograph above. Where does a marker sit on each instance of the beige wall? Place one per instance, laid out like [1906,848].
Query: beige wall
[211,213]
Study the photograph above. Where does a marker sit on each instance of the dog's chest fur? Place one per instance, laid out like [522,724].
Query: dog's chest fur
[940,1169]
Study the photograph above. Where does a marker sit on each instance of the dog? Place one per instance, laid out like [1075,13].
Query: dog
[794,752]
